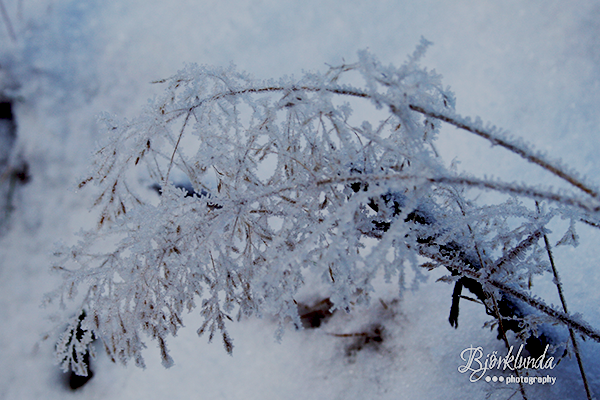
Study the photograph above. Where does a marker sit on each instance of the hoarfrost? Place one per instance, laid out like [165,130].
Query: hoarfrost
[285,183]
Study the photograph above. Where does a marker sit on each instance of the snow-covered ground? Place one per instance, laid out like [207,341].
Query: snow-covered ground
[532,68]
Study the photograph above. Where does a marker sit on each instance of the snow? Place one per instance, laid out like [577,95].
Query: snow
[530,68]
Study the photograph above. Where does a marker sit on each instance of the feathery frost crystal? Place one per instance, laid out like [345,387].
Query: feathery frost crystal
[285,183]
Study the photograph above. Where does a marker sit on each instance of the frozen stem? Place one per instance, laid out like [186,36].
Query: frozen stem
[563,301]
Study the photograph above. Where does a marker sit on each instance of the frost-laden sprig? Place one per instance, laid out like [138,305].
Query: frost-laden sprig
[284,182]
[73,346]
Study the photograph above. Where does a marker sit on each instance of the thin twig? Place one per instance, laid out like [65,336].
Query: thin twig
[506,343]
[581,326]
[522,152]
[522,246]
[563,301]
[471,299]
[590,223]
[492,295]
[9,27]
[177,146]
[504,187]
[563,317]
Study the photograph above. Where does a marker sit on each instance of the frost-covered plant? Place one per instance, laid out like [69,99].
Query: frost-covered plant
[286,184]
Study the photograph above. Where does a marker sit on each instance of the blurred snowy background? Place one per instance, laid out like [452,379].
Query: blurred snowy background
[531,67]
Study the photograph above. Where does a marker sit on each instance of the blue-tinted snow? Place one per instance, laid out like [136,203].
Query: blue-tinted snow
[529,68]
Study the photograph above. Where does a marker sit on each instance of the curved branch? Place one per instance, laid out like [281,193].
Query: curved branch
[503,187]
[521,151]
